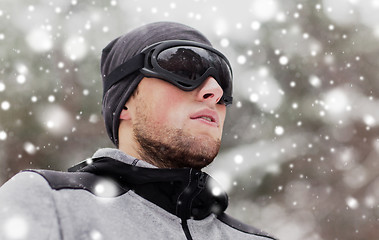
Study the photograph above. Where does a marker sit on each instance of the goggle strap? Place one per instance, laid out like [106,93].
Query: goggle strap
[123,70]
[227,100]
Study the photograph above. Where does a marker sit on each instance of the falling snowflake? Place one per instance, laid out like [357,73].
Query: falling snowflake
[16,227]
[3,135]
[5,105]
[39,40]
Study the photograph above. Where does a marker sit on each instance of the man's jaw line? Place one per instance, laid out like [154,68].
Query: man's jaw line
[161,162]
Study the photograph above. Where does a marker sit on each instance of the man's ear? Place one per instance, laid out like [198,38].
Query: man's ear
[125,114]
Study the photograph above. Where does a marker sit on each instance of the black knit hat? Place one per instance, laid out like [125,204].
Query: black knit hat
[123,48]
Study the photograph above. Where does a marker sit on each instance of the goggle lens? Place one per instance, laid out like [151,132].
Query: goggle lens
[193,62]
[183,63]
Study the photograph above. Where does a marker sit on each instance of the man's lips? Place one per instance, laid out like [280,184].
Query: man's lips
[207,116]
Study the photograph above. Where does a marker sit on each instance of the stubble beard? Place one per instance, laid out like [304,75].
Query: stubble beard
[166,147]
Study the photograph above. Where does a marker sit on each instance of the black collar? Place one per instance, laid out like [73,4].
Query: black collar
[186,192]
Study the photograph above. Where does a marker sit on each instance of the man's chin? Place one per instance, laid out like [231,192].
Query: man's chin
[178,150]
[201,153]
[211,134]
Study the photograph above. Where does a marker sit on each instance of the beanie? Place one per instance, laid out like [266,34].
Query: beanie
[125,47]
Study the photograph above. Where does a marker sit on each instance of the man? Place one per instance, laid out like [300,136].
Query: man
[164,105]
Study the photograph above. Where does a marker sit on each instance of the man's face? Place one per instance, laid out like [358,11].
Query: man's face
[176,128]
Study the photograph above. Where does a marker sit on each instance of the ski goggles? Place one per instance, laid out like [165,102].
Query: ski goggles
[185,64]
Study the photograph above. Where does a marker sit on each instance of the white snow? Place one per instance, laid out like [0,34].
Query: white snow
[5,105]
[3,135]
[264,10]
[216,191]
[352,202]
[369,120]
[314,81]
[75,48]
[238,159]
[15,227]
[21,79]
[255,25]
[224,42]
[60,65]
[336,101]
[283,60]
[2,86]
[223,178]
[105,188]
[51,98]
[55,118]
[279,130]
[241,59]
[39,40]
[29,148]
[96,235]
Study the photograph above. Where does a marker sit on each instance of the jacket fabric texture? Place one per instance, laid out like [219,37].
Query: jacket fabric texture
[114,196]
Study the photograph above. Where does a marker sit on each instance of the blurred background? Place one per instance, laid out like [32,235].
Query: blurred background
[300,152]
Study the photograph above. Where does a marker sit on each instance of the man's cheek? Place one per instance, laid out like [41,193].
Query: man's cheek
[163,118]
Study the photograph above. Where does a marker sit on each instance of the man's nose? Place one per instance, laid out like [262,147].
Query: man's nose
[210,91]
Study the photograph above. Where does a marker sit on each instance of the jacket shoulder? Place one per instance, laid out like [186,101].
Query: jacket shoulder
[25,183]
[60,180]
[27,199]
[236,224]
[95,184]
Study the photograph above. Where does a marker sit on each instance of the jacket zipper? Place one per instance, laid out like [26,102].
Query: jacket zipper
[201,181]
[186,229]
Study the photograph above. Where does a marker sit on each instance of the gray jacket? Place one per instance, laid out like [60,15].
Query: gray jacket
[114,196]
